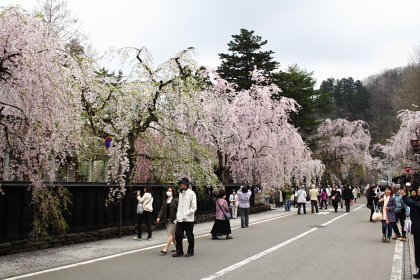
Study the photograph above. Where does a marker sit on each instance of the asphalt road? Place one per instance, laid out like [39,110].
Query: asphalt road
[327,245]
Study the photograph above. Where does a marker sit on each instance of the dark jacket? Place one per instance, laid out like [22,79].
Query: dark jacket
[391,208]
[414,213]
[347,194]
[370,196]
[336,195]
[173,208]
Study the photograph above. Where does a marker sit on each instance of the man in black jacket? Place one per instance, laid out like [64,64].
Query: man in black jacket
[347,195]
[415,227]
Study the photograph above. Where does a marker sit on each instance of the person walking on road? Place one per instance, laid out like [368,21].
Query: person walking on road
[370,196]
[221,225]
[402,212]
[301,199]
[187,206]
[277,197]
[243,196]
[347,195]
[415,227]
[354,192]
[147,201]
[335,198]
[324,197]
[387,205]
[233,198]
[287,196]
[313,195]
[167,216]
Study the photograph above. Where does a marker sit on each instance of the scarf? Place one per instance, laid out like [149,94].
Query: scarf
[384,212]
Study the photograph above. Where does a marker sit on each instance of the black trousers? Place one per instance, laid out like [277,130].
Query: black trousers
[314,203]
[400,216]
[301,205]
[417,250]
[335,205]
[347,205]
[146,216]
[186,227]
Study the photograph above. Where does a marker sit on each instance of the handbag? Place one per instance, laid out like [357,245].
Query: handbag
[139,208]
[407,225]
[377,215]
[227,214]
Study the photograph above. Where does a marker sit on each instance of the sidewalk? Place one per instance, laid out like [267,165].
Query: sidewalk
[23,263]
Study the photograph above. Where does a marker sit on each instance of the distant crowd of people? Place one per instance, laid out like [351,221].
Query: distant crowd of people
[321,196]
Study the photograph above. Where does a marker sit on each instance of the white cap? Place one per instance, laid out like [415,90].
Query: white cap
[407,184]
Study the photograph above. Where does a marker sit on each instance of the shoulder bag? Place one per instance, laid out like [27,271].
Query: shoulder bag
[140,207]
[227,214]
[377,215]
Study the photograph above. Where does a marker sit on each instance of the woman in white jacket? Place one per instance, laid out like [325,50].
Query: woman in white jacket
[147,201]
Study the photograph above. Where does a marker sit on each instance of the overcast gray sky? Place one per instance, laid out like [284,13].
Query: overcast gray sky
[333,38]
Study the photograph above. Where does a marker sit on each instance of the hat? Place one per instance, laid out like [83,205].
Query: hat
[184,181]
[407,184]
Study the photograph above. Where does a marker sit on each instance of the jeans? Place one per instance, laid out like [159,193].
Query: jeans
[301,205]
[324,202]
[314,203]
[146,216]
[287,204]
[244,212]
[186,227]
[386,227]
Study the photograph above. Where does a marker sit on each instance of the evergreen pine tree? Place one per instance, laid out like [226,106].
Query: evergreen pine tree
[245,55]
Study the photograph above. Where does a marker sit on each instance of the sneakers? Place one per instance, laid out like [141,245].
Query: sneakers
[396,236]
[403,238]
[383,239]
[136,238]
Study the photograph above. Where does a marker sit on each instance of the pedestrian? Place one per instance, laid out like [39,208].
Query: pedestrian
[402,212]
[187,206]
[147,201]
[277,197]
[370,197]
[287,195]
[387,205]
[313,195]
[281,199]
[354,192]
[335,198]
[167,215]
[415,227]
[324,198]
[301,199]
[243,196]
[329,189]
[221,225]
[266,196]
[347,195]
[233,198]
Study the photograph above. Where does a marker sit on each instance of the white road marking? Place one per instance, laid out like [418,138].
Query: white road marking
[257,256]
[263,253]
[397,266]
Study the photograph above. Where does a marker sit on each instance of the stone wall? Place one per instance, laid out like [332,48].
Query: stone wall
[27,245]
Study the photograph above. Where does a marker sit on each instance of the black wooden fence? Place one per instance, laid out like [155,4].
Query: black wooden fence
[87,210]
